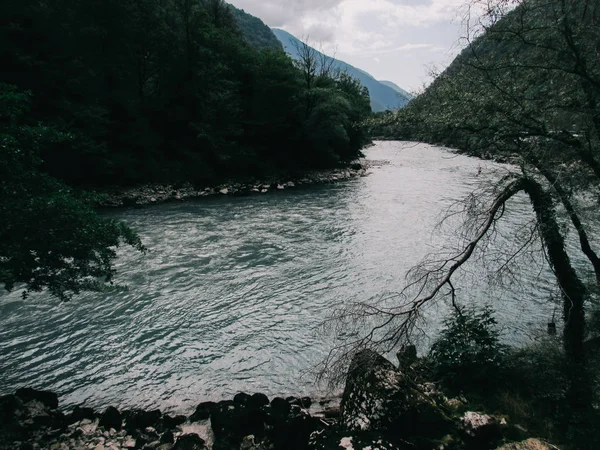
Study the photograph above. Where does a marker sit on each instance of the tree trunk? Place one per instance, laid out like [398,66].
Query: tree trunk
[574,293]
[564,198]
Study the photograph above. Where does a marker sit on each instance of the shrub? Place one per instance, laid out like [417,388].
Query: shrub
[468,354]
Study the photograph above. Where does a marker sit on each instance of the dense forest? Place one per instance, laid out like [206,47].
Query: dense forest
[122,92]
[171,90]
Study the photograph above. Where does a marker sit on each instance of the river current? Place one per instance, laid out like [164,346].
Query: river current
[232,292]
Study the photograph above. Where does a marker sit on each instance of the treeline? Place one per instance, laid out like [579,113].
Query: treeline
[169,90]
[530,76]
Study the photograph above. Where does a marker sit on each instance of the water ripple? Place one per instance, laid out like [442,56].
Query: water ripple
[233,290]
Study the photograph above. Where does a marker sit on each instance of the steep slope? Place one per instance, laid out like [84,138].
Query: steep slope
[255,31]
[382,97]
[398,89]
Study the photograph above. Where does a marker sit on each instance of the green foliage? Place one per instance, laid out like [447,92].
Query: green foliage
[256,33]
[468,354]
[528,85]
[167,90]
[49,237]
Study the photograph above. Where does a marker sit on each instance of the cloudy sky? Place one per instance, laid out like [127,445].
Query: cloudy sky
[396,40]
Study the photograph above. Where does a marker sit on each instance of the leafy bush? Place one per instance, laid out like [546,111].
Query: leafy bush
[468,354]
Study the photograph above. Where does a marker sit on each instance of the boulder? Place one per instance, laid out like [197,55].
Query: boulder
[48,399]
[280,406]
[292,432]
[170,423]
[111,418]
[190,442]
[202,412]
[241,398]
[10,407]
[258,400]
[231,421]
[79,413]
[377,397]
[139,419]
[167,437]
[481,430]
[529,444]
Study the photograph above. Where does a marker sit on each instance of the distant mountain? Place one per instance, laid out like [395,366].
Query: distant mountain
[383,97]
[398,89]
[256,33]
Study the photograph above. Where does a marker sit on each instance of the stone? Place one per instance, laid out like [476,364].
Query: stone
[529,444]
[258,400]
[247,443]
[48,399]
[481,430]
[280,406]
[232,421]
[280,187]
[241,398]
[88,428]
[170,423]
[305,402]
[111,418]
[167,437]
[189,442]
[292,430]
[264,191]
[332,412]
[10,406]
[224,191]
[138,419]
[79,414]
[203,411]
[290,184]
[377,397]
[129,442]
[329,439]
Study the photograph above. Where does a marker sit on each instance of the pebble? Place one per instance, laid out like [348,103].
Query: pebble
[155,193]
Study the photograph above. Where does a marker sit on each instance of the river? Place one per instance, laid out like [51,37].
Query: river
[232,291]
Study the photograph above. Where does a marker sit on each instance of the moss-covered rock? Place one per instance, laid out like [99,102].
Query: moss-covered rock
[379,397]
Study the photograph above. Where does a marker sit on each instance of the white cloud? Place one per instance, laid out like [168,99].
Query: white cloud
[360,29]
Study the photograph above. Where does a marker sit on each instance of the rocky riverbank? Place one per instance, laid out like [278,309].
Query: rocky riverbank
[156,193]
[383,407]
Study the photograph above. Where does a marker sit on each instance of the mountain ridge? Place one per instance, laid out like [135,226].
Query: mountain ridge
[383,97]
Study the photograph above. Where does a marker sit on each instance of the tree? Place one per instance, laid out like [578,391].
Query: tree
[49,236]
[525,88]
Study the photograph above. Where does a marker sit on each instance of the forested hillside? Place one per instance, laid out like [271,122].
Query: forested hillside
[531,79]
[169,91]
[255,31]
[383,97]
[526,89]
[121,92]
